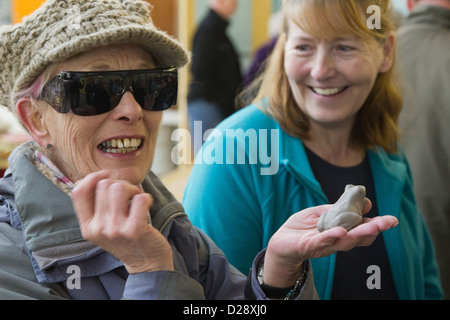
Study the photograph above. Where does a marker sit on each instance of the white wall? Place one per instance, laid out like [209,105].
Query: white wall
[400,6]
[5,12]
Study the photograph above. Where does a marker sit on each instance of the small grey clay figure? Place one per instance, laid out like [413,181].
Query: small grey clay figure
[347,211]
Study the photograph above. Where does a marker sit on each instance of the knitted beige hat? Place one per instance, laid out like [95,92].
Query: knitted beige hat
[60,29]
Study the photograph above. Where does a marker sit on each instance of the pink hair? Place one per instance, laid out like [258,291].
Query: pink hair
[33,91]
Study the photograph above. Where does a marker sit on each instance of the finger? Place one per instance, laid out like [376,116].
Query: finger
[363,235]
[83,196]
[376,225]
[384,223]
[120,195]
[112,201]
[139,214]
[102,174]
[367,206]
[331,235]
[366,233]
[101,199]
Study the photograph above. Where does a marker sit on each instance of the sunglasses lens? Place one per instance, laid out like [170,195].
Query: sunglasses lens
[155,92]
[94,93]
[54,95]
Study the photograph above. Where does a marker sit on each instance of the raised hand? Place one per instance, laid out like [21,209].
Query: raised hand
[114,214]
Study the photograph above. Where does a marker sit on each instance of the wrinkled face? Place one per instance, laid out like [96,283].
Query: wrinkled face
[331,79]
[79,142]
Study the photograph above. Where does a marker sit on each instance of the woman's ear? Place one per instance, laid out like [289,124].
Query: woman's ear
[33,119]
[389,53]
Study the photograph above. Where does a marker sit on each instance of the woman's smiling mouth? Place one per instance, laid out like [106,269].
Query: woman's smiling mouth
[328,91]
[121,145]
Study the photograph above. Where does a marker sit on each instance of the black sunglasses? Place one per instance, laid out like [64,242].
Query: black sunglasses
[94,93]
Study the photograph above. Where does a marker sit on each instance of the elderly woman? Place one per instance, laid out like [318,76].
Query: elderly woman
[81,215]
[330,95]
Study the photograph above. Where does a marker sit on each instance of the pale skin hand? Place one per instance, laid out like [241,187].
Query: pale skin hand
[114,214]
[298,240]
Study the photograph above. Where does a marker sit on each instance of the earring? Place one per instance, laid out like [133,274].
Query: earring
[49,146]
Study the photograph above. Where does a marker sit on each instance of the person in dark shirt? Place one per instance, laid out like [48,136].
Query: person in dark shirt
[327,107]
[216,71]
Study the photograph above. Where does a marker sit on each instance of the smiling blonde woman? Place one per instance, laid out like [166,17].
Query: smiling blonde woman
[329,88]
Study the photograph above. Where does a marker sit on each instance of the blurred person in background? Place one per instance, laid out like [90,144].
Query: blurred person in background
[216,70]
[423,55]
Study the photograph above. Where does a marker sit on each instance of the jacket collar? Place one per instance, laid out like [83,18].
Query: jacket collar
[45,220]
[390,175]
[389,171]
[50,227]
[218,21]
[293,157]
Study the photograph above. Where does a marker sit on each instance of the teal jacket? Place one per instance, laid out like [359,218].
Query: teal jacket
[241,206]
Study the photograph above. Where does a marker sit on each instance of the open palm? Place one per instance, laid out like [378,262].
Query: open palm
[298,239]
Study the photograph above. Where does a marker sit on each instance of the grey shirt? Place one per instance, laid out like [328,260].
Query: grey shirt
[423,48]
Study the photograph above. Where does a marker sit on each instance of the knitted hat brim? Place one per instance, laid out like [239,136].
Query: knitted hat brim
[166,51]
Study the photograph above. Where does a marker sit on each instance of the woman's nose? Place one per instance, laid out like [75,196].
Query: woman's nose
[323,66]
[128,108]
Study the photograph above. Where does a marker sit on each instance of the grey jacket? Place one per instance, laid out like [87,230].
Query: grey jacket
[43,255]
[423,46]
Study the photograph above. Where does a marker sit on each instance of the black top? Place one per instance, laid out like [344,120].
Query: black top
[352,273]
[215,67]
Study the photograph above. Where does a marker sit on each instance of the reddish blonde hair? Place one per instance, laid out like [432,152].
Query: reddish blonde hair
[376,123]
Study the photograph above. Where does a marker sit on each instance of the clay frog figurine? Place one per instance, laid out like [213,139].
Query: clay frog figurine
[347,211]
